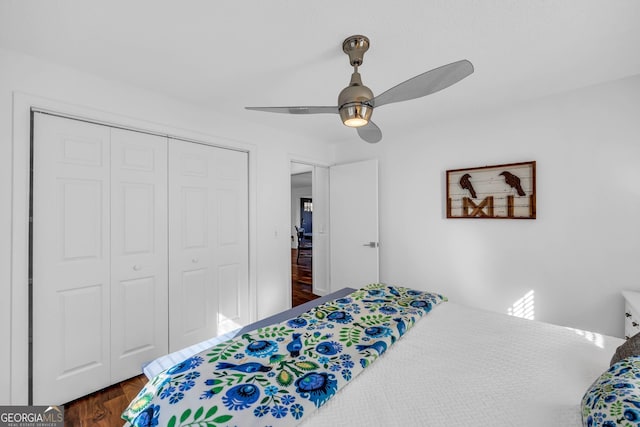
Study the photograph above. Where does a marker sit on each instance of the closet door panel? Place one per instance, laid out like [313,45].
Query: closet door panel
[81,310]
[71,258]
[192,231]
[138,251]
[194,298]
[208,241]
[231,250]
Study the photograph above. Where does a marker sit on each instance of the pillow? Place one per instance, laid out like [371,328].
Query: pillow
[614,398]
[631,347]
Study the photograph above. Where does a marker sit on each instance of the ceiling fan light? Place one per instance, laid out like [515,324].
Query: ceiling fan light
[355,114]
[355,122]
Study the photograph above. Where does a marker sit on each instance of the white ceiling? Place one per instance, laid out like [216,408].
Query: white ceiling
[224,55]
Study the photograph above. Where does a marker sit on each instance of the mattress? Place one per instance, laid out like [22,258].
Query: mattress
[477,368]
[461,366]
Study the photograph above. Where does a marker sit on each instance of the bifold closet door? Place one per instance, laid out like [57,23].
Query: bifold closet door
[208,242]
[99,256]
[139,325]
[71,259]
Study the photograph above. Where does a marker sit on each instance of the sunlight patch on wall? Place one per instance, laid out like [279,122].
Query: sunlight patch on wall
[593,337]
[226,325]
[524,307]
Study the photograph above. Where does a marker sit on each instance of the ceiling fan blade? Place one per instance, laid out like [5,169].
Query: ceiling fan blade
[296,110]
[426,83]
[370,132]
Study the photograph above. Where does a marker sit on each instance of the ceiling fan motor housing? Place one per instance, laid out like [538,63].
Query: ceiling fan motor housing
[353,102]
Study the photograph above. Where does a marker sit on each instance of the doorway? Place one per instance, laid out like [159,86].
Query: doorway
[351,256]
[301,234]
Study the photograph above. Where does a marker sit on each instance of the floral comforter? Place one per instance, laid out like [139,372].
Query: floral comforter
[281,373]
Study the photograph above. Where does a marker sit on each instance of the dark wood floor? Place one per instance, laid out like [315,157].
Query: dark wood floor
[301,279]
[103,408]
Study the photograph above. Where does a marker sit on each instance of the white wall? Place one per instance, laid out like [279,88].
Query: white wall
[584,246]
[271,150]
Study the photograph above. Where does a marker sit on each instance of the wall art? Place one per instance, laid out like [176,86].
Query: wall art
[501,191]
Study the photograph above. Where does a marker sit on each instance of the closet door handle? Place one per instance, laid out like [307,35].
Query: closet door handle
[137,267]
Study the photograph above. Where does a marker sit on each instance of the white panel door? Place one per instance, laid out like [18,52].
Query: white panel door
[70,259]
[139,327]
[231,250]
[354,224]
[208,242]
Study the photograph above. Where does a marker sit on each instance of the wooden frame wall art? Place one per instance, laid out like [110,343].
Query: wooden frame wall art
[501,191]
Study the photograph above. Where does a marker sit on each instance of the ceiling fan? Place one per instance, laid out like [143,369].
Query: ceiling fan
[356,102]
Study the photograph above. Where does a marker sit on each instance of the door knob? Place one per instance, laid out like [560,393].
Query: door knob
[194,260]
[137,267]
[371,244]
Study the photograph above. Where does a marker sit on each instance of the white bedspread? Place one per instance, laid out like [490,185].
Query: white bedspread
[478,368]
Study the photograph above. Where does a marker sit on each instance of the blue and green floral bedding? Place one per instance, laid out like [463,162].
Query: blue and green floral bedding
[614,398]
[278,374]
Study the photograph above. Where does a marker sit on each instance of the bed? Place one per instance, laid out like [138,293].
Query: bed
[448,365]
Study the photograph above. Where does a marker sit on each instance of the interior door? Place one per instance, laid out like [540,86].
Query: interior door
[353,189]
[71,259]
[208,241]
[231,250]
[139,328]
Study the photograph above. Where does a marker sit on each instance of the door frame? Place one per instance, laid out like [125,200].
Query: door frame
[23,105]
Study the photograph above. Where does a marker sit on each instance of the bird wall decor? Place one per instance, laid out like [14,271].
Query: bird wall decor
[513,181]
[466,184]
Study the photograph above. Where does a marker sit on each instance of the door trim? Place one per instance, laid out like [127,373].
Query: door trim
[23,104]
